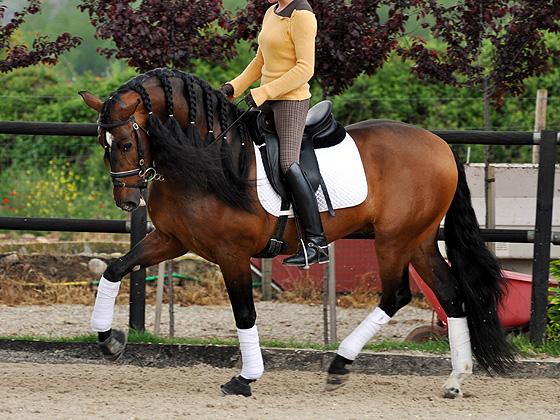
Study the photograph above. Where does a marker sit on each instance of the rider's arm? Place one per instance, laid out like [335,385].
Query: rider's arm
[303,29]
[250,75]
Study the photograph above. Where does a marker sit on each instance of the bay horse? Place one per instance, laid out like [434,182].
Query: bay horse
[159,131]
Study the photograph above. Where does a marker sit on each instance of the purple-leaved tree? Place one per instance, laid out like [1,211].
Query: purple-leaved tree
[494,45]
[489,45]
[41,51]
[156,33]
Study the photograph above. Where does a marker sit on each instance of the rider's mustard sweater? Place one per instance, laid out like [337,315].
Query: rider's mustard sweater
[285,59]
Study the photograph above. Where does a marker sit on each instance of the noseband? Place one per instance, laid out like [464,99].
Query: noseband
[146,174]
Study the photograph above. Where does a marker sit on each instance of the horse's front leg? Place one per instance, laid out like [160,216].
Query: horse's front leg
[153,249]
[237,276]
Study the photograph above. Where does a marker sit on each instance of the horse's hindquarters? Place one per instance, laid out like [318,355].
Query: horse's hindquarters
[411,173]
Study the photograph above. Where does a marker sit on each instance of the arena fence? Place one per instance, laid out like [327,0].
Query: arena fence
[542,236]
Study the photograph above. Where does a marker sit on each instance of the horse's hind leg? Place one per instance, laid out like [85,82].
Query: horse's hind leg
[154,248]
[238,279]
[393,270]
[435,271]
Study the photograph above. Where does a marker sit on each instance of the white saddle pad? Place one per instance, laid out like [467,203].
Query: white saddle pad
[342,170]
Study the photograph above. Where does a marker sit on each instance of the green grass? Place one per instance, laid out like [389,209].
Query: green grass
[521,343]
[525,348]
[437,347]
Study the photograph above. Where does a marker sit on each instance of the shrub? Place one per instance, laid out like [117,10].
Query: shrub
[553,328]
[52,176]
[57,191]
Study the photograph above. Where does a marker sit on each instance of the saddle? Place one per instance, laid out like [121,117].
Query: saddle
[321,131]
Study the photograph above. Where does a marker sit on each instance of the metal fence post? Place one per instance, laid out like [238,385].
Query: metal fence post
[325,300]
[332,293]
[159,296]
[137,309]
[543,227]
[170,298]
[266,278]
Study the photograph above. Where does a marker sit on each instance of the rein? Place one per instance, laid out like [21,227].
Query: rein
[146,174]
[223,133]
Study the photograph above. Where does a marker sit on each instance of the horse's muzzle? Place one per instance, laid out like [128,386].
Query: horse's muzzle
[128,206]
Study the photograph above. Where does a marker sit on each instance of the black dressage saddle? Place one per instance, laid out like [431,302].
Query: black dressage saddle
[321,131]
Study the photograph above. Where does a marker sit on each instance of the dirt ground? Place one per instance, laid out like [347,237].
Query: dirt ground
[69,391]
[38,297]
[276,320]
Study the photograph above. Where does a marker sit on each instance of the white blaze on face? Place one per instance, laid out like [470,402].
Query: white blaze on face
[109,137]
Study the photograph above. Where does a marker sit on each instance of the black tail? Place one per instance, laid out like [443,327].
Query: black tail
[480,279]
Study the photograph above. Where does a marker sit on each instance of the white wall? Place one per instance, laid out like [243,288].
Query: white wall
[516,189]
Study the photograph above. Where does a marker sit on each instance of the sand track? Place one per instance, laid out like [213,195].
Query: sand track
[70,391]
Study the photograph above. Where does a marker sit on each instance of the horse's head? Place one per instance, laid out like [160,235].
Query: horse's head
[121,127]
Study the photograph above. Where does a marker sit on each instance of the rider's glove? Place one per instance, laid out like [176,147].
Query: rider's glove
[227,90]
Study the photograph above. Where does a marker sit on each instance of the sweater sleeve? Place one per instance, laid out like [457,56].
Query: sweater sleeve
[250,75]
[303,29]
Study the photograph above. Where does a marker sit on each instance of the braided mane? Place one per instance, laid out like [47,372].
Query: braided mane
[180,153]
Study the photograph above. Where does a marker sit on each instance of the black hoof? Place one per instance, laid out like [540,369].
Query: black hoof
[114,346]
[338,373]
[335,381]
[237,386]
[451,393]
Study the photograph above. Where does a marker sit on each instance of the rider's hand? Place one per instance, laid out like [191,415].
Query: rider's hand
[250,101]
[227,90]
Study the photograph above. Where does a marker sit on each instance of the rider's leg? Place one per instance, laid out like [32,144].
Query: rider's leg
[289,118]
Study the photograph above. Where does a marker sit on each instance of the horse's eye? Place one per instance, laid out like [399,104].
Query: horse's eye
[126,147]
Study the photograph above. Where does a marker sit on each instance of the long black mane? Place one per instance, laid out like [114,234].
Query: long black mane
[180,152]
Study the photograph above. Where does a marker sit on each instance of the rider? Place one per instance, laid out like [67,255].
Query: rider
[285,62]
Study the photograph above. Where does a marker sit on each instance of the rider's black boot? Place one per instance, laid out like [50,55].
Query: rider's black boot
[314,249]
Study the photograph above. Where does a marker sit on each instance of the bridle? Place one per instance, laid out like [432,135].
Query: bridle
[146,174]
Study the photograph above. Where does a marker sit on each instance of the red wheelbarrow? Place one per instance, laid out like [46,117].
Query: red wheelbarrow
[514,312]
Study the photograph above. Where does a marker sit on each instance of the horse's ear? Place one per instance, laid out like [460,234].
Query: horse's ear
[91,100]
[129,110]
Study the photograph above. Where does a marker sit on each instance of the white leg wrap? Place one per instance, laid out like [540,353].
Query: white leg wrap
[352,345]
[102,316]
[460,345]
[251,356]
[461,354]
